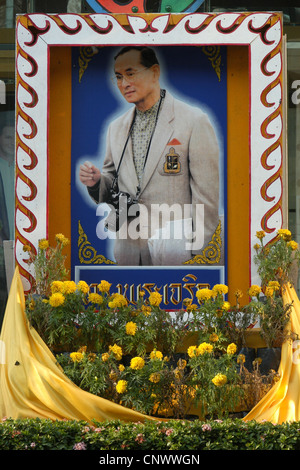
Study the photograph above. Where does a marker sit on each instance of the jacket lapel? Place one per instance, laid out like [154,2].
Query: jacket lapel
[163,132]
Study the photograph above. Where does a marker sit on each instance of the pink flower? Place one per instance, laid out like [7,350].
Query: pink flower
[206,427]
[79,446]
[169,431]
[140,438]
[98,429]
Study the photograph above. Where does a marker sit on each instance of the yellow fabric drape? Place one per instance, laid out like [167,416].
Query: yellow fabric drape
[32,384]
[282,403]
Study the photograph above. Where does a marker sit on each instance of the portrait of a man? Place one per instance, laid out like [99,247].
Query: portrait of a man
[160,175]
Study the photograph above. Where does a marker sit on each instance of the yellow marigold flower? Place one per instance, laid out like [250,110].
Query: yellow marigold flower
[187,301]
[31,304]
[254,290]
[137,363]
[260,234]
[257,360]
[121,386]
[231,348]
[92,357]
[181,363]
[269,291]
[146,310]
[104,286]
[95,298]
[57,286]
[155,299]
[213,337]
[113,376]
[226,306]
[205,348]
[56,299]
[83,287]
[117,351]
[60,238]
[274,284]
[193,351]
[76,356]
[285,234]
[192,307]
[43,244]
[204,294]
[131,328]
[276,378]
[256,246]
[121,367]
[220,289]
[219,380]
[238,294]
[118,301]
[178,374]
[27,248]
[293,245]
[105,357]
[241,359]
[156,354]
[69,287]
[154,377]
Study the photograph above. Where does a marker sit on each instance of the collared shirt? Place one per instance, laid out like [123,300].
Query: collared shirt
[142,130]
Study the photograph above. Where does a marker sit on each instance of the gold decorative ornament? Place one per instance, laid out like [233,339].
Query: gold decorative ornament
[214,56]
[86,252]
[85,56]
[212,253]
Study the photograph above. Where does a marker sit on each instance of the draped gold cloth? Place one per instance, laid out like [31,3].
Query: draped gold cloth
[282,403]
[32,385]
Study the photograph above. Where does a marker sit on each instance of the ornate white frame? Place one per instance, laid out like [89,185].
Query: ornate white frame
[261,32]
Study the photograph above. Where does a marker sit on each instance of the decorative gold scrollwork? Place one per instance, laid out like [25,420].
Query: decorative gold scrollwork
[212,253]
[86,252]
[214,56]
[85,56]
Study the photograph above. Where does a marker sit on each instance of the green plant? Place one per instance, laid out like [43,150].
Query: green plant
[273,314]
[174,435]
[158,385]
[127,353]
[48,264]
[214,314]
[255,384]
[275,260]
[70,316]
[214,377]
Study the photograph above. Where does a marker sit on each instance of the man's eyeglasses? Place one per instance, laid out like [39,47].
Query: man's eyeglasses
[130,77]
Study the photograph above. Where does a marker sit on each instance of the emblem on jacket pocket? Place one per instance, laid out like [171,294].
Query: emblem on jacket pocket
[172,164]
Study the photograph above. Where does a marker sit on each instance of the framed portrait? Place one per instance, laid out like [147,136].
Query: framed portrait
[212,149]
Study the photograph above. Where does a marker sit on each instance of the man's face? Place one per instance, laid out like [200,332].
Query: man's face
[137,83]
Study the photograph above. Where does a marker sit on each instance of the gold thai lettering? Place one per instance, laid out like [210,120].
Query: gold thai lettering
[172,293]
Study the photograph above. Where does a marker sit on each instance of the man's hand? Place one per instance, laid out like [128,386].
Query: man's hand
[89,174]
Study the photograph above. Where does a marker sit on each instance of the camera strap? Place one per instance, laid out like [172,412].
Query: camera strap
[115,182]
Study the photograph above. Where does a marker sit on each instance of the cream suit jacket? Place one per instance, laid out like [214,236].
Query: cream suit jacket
[185,135]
